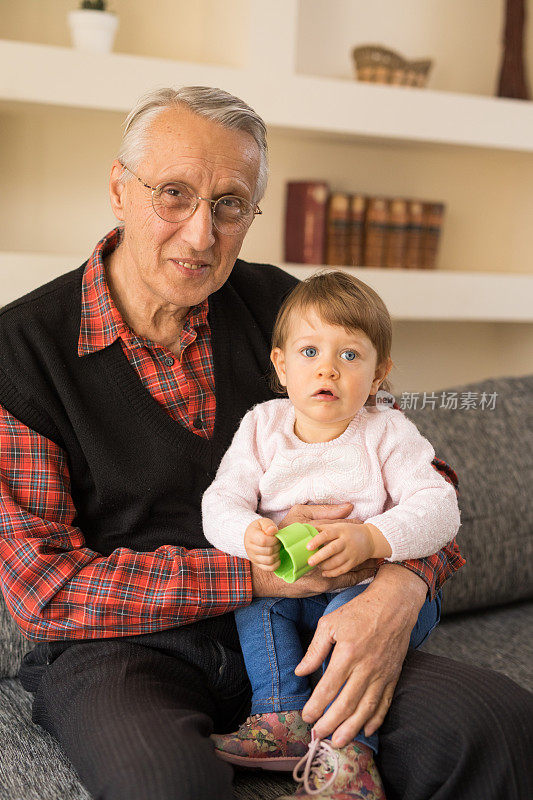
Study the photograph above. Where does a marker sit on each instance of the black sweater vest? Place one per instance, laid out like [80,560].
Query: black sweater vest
[137,475]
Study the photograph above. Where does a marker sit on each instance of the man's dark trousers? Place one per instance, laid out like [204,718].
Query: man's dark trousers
[134,716]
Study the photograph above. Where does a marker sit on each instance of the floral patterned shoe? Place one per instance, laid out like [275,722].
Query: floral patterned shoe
[347,773]
[273,741]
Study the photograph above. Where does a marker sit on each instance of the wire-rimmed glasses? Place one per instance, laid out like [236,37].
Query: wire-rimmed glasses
[174,201]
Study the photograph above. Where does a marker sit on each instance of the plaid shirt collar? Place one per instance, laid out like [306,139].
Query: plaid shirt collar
[101,322]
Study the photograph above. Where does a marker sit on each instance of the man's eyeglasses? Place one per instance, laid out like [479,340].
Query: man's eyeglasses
[176,202]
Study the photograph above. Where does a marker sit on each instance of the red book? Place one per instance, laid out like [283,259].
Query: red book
[305,222]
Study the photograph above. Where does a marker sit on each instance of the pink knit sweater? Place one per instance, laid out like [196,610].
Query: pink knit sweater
[381,464]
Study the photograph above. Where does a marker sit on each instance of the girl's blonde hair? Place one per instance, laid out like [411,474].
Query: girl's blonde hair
[338,299]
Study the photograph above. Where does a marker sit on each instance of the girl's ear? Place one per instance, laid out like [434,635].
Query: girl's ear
[381,373]
[278,359]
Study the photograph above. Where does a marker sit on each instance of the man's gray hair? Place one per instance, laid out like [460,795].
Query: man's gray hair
[214,104]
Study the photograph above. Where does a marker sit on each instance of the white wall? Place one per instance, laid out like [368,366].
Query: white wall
[461,36]
[188,30]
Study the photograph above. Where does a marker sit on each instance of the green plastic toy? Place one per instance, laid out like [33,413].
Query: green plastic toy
[293,552]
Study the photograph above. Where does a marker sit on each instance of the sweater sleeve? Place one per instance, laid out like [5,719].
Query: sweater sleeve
[57,588]
[230,504]
[425,515]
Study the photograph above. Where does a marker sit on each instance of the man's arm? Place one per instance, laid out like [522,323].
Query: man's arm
[58,588]
[370,637]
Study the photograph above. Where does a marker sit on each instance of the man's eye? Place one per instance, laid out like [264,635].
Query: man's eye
[349,355]
[174,191]
[231,202]
[309,352]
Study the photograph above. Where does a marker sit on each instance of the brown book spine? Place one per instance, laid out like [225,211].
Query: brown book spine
[376,231]
[305,221]
[396,234]
[433,218]
[415,232]
[356,231]
[337,220]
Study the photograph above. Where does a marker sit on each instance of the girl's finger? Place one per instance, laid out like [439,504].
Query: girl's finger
[326,552]
[269,528]
[268,568]
[336,572]
[268,561]
[266,540]
[325,534]
[336,562]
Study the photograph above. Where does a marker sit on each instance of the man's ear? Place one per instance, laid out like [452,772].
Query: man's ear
[381,373]
[117,190]
[278,359]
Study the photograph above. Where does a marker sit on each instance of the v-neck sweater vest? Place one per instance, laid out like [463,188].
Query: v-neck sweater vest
[137,476]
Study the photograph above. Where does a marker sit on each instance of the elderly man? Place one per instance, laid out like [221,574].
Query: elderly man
[121,385]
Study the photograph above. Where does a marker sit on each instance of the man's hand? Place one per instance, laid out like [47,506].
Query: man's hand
[261,544]
[267,584]
[370,636]
[314,514]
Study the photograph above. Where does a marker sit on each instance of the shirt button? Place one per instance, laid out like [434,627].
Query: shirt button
[169,361]
[198,422]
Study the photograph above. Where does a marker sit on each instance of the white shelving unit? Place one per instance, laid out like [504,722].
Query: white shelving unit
[408,294]
[60,76]
[64,77]
[445,295]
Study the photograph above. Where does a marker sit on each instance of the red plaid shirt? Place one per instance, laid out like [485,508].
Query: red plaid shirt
[45,564]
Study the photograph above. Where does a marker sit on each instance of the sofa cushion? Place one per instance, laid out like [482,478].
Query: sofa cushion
[32,765]
[497,638]
[491,451]
[13,645]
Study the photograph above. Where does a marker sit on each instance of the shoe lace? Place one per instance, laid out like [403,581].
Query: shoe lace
[311,766]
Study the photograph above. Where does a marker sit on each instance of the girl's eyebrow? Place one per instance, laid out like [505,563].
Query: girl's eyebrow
[303,338]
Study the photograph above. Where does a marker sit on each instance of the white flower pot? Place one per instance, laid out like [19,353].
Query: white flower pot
[93,31]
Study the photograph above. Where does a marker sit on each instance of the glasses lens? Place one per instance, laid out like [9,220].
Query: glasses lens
[174,202]
[233,214]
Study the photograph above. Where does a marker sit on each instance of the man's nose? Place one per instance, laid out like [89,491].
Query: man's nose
[197,230]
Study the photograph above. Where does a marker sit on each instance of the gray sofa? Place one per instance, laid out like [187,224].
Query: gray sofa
[487,606]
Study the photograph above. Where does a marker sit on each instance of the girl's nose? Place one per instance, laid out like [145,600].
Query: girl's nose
[326,370]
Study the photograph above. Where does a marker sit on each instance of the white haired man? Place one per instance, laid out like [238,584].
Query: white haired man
[121,385]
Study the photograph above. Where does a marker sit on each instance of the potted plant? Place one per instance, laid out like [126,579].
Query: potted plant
[92,27]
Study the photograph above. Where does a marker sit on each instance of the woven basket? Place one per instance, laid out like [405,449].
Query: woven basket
[379,65]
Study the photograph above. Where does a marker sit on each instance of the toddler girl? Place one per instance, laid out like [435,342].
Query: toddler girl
[329,442]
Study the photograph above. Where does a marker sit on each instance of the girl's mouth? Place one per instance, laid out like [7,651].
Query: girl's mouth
[325,394]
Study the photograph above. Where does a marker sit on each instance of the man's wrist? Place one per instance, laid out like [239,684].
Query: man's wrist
[401,585]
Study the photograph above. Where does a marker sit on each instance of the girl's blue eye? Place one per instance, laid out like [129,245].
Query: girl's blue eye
[309,352]
[349,355]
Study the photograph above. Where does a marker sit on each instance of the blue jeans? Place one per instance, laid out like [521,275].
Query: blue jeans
[269,631]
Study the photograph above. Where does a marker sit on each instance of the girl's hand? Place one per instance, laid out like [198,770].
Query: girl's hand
[345,545]
[261,544]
